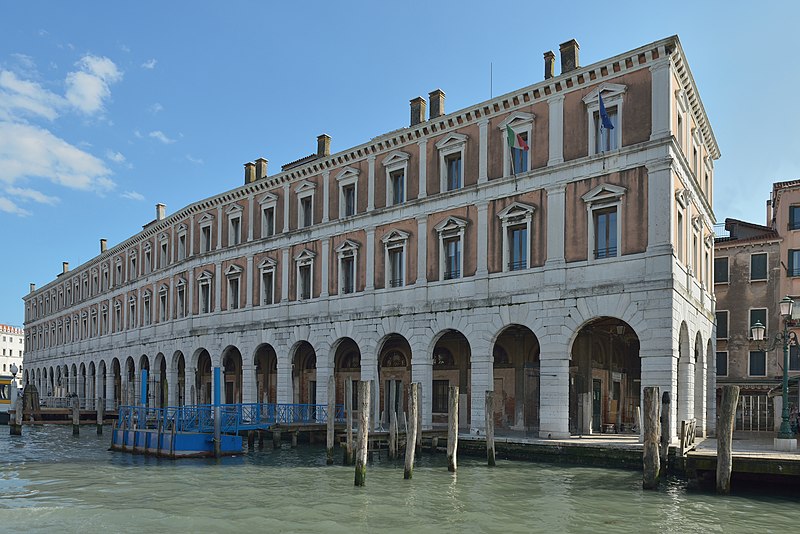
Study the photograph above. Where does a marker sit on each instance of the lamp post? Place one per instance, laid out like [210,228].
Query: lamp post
[785,439]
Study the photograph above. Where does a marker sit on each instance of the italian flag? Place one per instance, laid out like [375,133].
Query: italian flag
[515,140]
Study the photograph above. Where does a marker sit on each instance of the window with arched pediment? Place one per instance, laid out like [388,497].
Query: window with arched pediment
[394,359]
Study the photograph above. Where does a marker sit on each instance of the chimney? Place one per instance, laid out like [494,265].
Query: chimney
[569,56]
[64,267]
[249,173]
[261,168]
[103,245]
[160,211]
[33,287]
[549,64]
[418,106]
[436,98]
[323,145]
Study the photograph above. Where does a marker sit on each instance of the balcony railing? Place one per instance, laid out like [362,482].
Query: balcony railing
[396,282]
[608,252]
[517,265]
[450,275]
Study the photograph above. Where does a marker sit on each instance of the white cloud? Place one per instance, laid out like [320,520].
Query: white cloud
[32,194]
[132,195]
[196,161]
[161,136]
[116,157]
[125,48]
[21,98]
[89,87]
[155,108]
[150,64]
[137,134]
[8,206]
[28,151]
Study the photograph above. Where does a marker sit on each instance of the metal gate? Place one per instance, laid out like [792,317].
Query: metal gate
[755,414]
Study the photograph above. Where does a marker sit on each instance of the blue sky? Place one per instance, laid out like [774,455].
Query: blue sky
[107,108]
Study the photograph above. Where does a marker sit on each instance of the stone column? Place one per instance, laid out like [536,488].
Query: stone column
[483,150]
[660,207]
[190,294]
[249,392]
[661,99]
[218,283]
[326,179]
[109,394]
[556,210]
[556,130]
[285,275]
[660,368]
[249,284]
[481,380]
[219,227]
[172,384]
[423,168]
[251,217]
[370,260]
[482,230]
[370,183]
[422,372]
[284,386]
[422,253]
[286,194]
[325,266]
[554,391]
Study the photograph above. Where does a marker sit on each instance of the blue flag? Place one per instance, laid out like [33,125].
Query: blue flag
[606,120]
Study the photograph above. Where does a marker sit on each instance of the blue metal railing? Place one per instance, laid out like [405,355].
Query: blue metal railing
[233,417]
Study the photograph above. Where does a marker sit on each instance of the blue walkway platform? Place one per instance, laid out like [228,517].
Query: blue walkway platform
[188,431]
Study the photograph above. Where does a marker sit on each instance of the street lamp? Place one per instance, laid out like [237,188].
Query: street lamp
[785,439]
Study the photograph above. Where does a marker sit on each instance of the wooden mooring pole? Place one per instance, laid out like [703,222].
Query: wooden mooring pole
[651,431]
[392,422]
[348,407]
[666,412]
[419,418]
[15,426]
[490,454]
[727,416]
[452,430]
[411,436]
[276,439]
[101,414]
[363,432]
[331,417]
[76,416]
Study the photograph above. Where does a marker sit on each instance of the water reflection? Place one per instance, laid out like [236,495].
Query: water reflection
[50,481]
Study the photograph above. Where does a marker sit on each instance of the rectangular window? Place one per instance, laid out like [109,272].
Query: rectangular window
[396,267]
[205,239]
[146,311]
[164,258]
[758,363]
[518,253]
[605,229]
[268,222]
[794,217]
[722,324]
[398,183]
[182,247]
[181,304]
[758,315]
[233,294]
[722,364]
[452,249]
[794,263]
[305,282]
[132,316]
[349,196]
[162,307]
[348,275]
[604,138]
[133,269]
[758,266]
[440,396]
[266,287]
[235,237]
[148,263]
[679,128]
[205,298]
[453,163]
[519,157]
[720,270]
[680,236]
[794,358]
[305,207]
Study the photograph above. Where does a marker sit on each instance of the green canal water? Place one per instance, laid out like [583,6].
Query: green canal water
[53,482]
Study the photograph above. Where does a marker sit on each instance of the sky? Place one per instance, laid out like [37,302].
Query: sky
[107,108]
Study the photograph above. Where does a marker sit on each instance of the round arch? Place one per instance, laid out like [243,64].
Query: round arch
[203,377]
[179,367]
[515,362]
[231,375]
[451,360]
[684,400]
[304,373]
[265,360]
[394,370]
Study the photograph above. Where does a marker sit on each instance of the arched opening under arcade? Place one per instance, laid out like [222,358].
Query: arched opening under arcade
[605,378]
[144,365]
[304,374]
[91,383]
[100,380]
[83,392]
[684,400]
[266,364]
[72,382]
[516,379]
[346,366]
[394,370]
[116,373]
[179,364]
[232,375]
[451,367]
[160,379]
[129,395]
[203,377]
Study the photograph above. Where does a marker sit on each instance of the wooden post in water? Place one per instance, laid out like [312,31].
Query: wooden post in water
[294,439]
[419,417]
[452,430]
[331,416]
[665,433]
[76,415]
[101,414]
[260,439]
[392,423]
[276,439]
[651,431]
[15,426]
[251,440]
[727,416]
[363,432]
[411,435]
[490,454]
[348,406]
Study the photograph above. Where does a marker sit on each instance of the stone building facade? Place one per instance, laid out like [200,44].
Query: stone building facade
[12,348]
[565,278]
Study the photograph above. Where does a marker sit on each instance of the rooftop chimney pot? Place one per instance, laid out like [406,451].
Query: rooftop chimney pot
[103,245]
[436,99]
[323,145]
[569,56]
[418,107]
[249,172]
[549,64]
[64,267]
[161,211]
[261,168]
[33,287]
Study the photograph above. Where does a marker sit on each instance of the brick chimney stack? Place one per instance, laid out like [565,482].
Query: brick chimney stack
[33,287]
[103,245]
[323,145]
[64,267]
[549,64]
[261,168]
[249,172]
[436,98]
[569,56]
[161,211]
[418,108]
